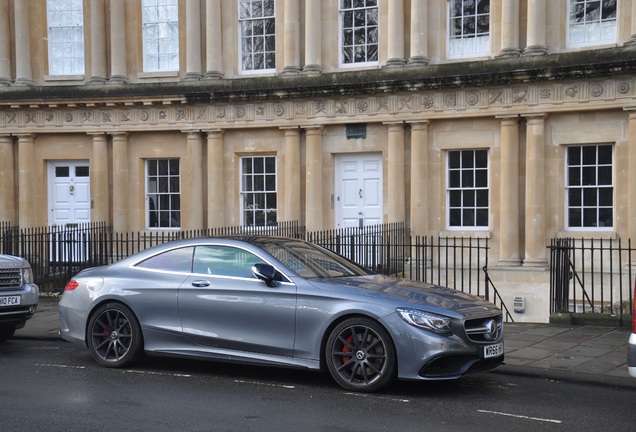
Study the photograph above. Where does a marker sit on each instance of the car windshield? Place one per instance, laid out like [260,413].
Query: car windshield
[310,261]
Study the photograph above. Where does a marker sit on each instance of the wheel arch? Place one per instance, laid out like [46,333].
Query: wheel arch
[101,303]
[342,318]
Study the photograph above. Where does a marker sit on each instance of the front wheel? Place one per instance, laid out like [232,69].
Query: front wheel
[360,355]
[6,332]
[114,336]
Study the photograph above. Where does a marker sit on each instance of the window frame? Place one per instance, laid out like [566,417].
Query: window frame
[570,187]
[160,25]
[463,189]
[243,21]
[69,46]
[244,189]
[149,195]
[342,9]
[587,24]
[485,52]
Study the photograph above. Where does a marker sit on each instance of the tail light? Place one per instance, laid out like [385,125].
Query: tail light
[71,285]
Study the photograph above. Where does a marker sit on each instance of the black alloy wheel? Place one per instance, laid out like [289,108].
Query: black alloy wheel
[360,355]
[114,337]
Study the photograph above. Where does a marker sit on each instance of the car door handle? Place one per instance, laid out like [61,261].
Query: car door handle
[200,283]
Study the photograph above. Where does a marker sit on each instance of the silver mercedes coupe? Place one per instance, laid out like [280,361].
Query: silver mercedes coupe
[281,302]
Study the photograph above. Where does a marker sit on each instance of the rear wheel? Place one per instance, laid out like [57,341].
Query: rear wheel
[6,332]
[360,355]
[114,336]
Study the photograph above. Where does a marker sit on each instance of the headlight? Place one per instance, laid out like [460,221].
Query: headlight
[27,275]
[425,320]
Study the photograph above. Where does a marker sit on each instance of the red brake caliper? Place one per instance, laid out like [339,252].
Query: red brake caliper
[346,349]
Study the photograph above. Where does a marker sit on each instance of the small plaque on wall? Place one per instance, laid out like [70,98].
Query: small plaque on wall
[356,131]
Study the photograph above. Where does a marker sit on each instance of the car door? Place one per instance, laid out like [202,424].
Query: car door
[223,305]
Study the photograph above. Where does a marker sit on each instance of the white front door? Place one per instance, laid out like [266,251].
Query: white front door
[69,193]
[358,190]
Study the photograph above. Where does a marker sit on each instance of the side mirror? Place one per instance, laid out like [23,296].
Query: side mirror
[266,273]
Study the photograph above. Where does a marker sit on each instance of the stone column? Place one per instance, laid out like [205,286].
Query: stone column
[395,34]
[313,180]
[291,55]
[396,182]
[291,149]
[193,40]
[216,179]
[100,198]
[5,44]
[632,38]
[23,71]
[26,183]
[313,37]
[419,178]
[192,200]
[121,184]
[631,177]
[214,41]
[535,251]
[509,205]
[98,42]
[509,29]
[118,69]
[536,28]
[419,33]
[7,180]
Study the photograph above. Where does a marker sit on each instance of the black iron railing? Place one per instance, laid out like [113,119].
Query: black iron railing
[592,276]
[56,254]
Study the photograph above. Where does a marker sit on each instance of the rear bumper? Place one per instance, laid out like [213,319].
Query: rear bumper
[631,355]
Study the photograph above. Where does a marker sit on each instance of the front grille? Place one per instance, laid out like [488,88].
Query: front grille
[486,329]
[10,279]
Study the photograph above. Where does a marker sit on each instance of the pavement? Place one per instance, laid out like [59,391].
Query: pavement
[588,354]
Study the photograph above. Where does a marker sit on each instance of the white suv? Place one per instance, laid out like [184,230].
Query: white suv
[18,295]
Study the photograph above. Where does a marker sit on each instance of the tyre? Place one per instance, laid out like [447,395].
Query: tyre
[360,355]
[6,332]
[114,336]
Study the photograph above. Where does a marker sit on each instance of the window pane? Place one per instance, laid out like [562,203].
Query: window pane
[258,190]
[160,32]
[163,197]
[469,28]
[65,20]
[591,22]
[590,186]
[257,26]
[359,32]
[468,188]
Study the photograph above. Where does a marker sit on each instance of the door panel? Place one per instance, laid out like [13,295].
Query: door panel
[69,193]
[358,194]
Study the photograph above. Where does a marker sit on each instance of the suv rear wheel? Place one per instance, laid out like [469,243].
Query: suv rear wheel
[6,332]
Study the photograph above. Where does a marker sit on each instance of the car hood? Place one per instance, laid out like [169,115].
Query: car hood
[10,261]
[409,293]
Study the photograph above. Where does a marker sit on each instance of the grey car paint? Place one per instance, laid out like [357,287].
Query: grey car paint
[242,319]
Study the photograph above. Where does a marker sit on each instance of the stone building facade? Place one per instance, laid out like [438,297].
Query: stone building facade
[508,119]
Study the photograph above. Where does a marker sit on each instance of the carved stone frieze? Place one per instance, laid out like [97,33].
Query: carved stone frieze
[407,106]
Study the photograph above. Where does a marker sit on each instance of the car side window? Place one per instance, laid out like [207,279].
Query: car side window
[224,261]
[176,260]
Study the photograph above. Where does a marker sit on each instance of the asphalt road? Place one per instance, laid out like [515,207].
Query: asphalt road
[56,386]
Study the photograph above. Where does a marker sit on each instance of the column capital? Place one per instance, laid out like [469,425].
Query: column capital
[419,124]
[507,117]
[535,116]
[313,129]
[213,131]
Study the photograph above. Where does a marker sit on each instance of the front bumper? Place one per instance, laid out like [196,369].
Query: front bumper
[18,315]
[423,355]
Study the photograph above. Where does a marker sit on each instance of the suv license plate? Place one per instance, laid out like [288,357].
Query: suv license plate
[10,300]
[491,351]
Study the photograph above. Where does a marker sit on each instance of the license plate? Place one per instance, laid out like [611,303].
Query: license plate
[10,300]
[491,351]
